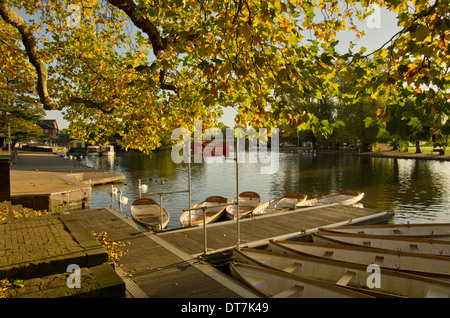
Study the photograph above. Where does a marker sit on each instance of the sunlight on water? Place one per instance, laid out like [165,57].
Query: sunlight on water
[415,190]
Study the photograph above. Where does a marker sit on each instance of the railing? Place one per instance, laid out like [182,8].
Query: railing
[204,208]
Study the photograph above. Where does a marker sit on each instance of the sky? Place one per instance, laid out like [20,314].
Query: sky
[378,28]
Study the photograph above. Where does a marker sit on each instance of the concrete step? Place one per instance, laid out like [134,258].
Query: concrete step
[99,281]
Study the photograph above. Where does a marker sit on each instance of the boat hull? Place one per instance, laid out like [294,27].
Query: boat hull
[279,205]
[403,244]
[248,201]
[212,214]
[147,212]
[419,264]
[349,197]
[389,283]
[440,231]
[277,284]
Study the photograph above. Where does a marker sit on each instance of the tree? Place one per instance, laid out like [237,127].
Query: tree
[137,68]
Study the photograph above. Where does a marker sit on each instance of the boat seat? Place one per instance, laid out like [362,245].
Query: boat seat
[379,260]
[346,278]
[289,292]
[293,267]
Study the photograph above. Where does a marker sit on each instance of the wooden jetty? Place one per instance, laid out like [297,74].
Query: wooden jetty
[173,263]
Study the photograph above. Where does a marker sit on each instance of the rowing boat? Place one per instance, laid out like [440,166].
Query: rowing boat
[414,263]
[386,283]
[277,284]
[439,231]
[348,197]
[148,212]
[282,204]
[248,201]
[213,213]
[395,243]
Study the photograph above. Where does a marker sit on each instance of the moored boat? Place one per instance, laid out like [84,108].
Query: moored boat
[148,212]
[212,213]
[439,231]
[282,204]
[348,197]
[93,151]
[248,201]
[107,150]
[414,263]
[386,283]
[403,244]
[277,284]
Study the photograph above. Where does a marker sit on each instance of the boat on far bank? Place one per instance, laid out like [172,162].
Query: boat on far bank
[248,201]
[93,151]
[147,212]
[107,150]
[348,197]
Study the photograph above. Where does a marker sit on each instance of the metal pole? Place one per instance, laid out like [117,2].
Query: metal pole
[160,211]
[139,186]
[204,231]
[189,189]
[237,196]
[9,138]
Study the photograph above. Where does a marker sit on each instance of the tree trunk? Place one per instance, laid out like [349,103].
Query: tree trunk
[418,147]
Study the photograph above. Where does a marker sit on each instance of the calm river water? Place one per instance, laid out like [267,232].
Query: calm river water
[417,191]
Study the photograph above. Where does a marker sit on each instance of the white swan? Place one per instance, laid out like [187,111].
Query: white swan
[142,187]
[122,200]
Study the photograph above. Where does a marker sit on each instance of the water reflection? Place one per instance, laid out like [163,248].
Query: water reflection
[415,190]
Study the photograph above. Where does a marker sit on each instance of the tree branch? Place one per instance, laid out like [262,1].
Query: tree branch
[159,44]
[28,40]
[92,104]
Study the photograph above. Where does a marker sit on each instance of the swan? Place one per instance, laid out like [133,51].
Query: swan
[113,190]
[122,200]
[143,187]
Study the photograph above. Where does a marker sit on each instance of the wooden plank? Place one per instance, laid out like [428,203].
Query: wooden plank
[156,270]
[223,235]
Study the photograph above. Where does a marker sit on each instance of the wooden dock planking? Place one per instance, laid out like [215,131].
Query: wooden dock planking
[158,270]
[166,264]
[223,235]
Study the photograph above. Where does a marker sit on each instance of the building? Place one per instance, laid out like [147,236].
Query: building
[49,127]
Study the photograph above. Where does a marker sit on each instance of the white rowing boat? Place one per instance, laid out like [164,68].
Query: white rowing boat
[148,212]
[414,263]
[278,284]
[403,244]
[213,213]
[282,204]
[248,201]
[348,197]
[439,231]
[353,275]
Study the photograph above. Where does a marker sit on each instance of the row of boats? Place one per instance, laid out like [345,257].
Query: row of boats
[393,260]
[214,208]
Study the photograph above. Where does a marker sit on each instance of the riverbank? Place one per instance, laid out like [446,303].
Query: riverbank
[425,155]
[47,181]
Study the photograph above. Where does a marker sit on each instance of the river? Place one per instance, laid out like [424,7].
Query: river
[417,191]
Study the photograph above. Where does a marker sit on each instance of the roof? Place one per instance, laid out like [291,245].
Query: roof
[48,124]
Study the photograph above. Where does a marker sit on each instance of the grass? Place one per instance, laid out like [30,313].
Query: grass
[426,149]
